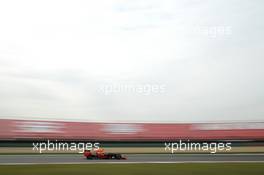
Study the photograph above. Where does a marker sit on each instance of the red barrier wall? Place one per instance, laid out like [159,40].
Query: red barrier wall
[33,129]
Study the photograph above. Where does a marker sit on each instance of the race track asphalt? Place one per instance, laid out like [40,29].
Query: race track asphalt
[131,158]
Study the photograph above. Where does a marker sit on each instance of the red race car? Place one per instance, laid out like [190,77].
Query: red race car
[100,154]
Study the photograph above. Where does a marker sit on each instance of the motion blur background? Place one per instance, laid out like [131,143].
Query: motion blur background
[131,74]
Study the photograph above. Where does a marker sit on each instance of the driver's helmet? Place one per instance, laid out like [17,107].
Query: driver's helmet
[99,151]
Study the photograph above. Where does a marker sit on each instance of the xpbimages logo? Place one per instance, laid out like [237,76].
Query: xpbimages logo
[64,146]
[184,146]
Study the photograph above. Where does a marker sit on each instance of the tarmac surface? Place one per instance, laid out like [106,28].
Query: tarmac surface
[131,158]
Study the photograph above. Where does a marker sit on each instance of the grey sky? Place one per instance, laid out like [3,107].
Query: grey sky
[57,57]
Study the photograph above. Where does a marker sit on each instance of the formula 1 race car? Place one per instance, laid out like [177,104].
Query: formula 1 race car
[101,155]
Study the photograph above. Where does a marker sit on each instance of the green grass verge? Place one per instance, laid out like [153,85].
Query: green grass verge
[139,169]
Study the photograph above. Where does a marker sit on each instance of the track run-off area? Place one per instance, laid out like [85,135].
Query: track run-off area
[131,158]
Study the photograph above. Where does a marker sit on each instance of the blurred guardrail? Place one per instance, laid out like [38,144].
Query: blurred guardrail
[60,130]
